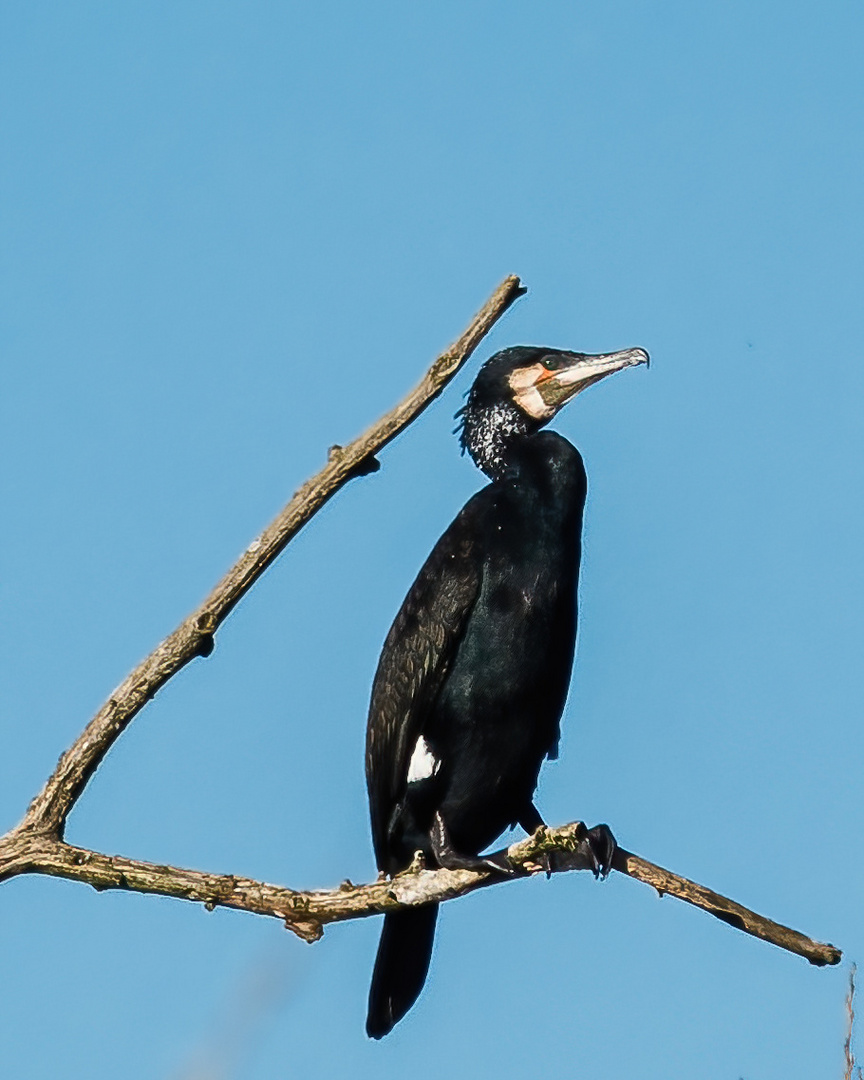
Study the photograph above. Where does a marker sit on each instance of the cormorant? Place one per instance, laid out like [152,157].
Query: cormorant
[474,672]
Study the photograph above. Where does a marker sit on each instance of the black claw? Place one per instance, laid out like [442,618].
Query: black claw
[499,862]
[601,847]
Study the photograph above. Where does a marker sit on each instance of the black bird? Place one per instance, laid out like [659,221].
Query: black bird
[474,673]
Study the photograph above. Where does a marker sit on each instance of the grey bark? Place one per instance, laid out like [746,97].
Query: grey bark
[36,845]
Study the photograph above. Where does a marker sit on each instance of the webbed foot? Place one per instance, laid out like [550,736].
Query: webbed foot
[451,859]
[600,847]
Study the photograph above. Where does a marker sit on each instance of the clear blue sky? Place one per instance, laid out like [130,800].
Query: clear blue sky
[233,234]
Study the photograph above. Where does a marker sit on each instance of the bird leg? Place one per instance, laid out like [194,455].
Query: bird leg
[451,859]
[530,819]
[598,847]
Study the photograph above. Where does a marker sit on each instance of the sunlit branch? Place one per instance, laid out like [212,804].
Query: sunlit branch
[194,636]
[36,846]
[307,913]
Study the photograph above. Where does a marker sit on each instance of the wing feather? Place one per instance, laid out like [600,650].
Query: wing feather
[417,655]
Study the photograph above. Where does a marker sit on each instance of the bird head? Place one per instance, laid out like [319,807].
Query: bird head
[520,389]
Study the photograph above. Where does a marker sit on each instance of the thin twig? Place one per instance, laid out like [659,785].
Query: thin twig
[194,636]
[850,1025]
[664,881]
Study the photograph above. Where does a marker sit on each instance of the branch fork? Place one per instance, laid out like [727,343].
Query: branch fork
[37,845]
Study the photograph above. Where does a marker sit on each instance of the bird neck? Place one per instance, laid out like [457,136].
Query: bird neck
[492,435]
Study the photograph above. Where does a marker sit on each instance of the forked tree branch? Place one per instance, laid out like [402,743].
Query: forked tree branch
[36,846]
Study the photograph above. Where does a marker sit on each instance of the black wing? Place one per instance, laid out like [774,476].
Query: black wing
[417,655]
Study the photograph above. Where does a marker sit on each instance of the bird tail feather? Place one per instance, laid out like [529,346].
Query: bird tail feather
[400,966]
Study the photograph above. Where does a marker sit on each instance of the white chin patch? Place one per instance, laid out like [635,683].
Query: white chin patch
[423,762]
[523,383]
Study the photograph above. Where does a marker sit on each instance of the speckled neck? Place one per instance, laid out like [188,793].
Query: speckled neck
[488,434]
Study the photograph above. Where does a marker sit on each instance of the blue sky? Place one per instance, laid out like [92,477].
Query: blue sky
[233,234]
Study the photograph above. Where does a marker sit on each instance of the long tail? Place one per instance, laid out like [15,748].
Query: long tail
[400,967]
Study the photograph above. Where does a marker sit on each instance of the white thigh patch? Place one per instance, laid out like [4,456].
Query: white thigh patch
[423,762]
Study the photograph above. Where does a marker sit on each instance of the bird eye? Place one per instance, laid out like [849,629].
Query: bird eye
[551,363]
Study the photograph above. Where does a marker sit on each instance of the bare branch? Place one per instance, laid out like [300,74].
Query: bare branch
[307,913]
[36,846]
[194,636]
[664,881]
